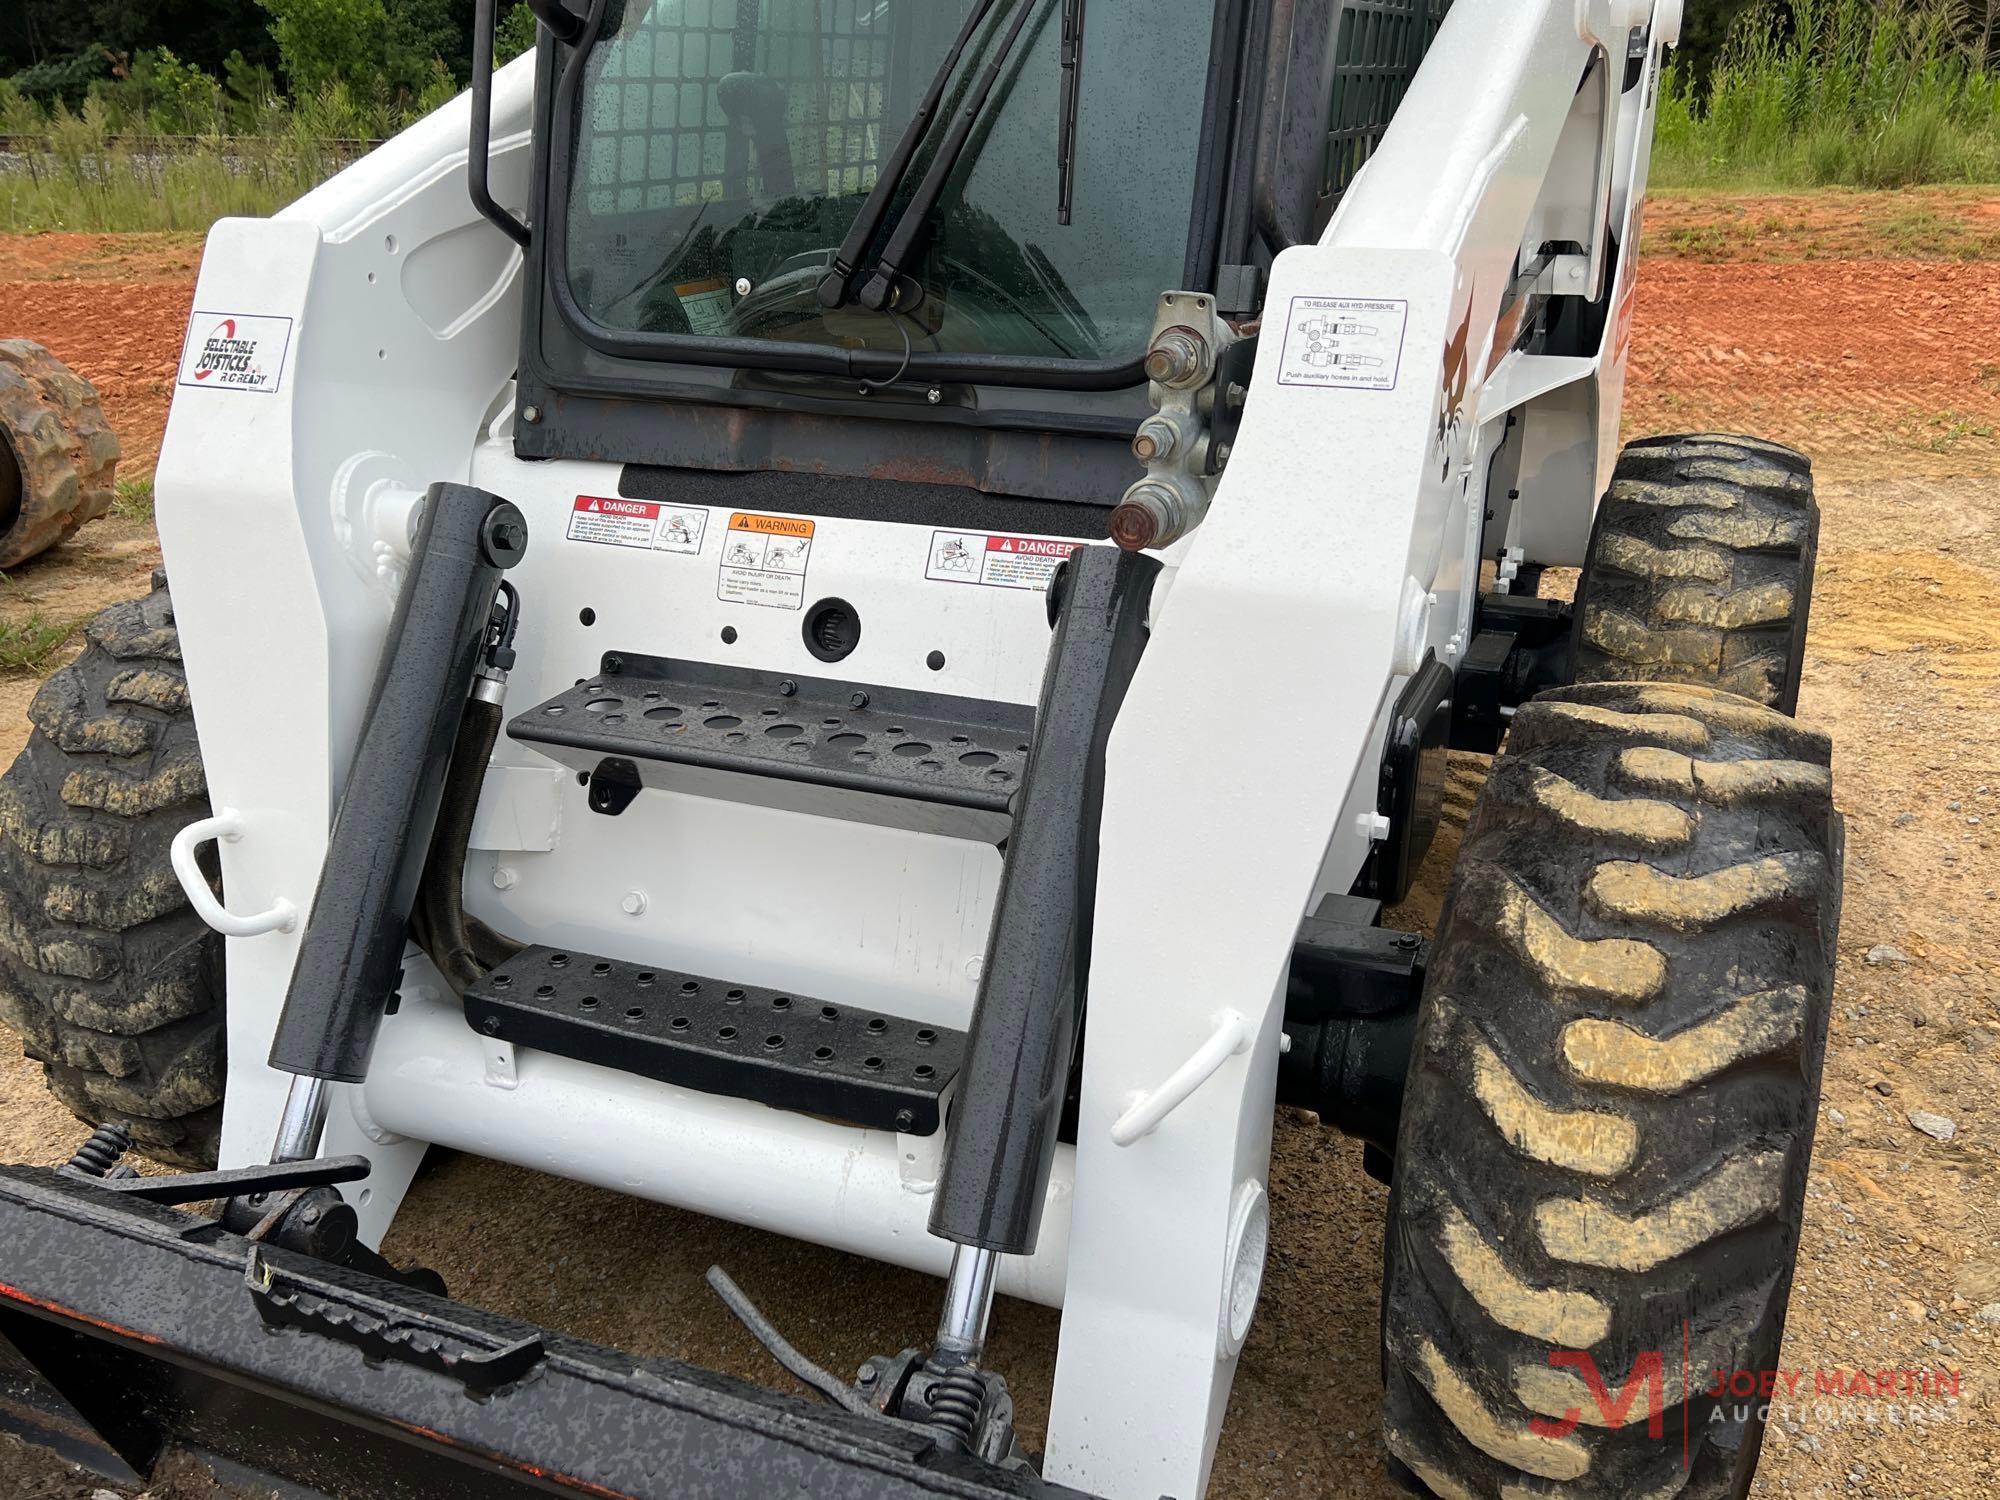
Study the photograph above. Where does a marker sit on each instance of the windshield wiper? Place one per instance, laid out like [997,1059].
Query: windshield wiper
[1072,87]
[884,288]
[837,286]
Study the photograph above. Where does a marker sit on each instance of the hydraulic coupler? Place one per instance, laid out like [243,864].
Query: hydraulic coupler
[350,957]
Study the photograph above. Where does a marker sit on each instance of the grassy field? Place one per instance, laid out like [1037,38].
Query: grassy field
[1860,93]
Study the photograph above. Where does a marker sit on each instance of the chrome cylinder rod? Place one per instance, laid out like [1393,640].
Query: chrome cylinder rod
[968,1303]
[304,1118]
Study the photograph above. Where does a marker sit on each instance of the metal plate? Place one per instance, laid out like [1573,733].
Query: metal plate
[965,752]
[743,1041]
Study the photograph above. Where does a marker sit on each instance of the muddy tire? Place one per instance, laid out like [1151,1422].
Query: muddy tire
[107,975]
[1611,1099]
[58,456]
[1700,569]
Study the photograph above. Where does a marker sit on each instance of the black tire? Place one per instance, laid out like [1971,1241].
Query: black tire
[1611,1099]
[58,456]
[1700,569]
[108,976]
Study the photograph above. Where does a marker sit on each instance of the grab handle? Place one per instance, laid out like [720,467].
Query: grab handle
[225,827]
[1143,1116]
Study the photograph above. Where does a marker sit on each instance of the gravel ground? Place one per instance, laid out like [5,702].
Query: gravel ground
[1890,373]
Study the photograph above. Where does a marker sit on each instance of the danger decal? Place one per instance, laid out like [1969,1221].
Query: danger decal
[637,523]
[235,352]
[996,561]
[764,561]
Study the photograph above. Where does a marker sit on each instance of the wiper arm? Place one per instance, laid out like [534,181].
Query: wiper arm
[837,286]
[884,287]
[1072,89]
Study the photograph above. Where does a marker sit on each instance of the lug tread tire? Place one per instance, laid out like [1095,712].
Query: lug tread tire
[106,974]
[1612,1095]
[65,449]
[1700,568]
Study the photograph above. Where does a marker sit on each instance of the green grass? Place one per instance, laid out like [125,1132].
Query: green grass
[1857,93]
[29,646]
[134,499]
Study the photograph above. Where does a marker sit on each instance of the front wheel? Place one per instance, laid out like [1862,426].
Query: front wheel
[1601,1166]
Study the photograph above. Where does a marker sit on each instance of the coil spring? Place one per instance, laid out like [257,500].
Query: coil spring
[98,1155]
[956,1402]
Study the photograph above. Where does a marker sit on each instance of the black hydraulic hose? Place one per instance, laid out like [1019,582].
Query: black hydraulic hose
[463,949]
[351,953]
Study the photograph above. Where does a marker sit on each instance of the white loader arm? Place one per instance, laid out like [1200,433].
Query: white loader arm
[1343,544]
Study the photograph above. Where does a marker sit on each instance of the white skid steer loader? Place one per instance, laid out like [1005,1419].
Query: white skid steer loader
[842,613]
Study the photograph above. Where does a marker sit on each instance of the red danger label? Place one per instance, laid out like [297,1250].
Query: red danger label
[996,560]
[613,522]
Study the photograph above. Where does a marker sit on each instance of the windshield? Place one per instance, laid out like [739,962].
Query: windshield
[724,147]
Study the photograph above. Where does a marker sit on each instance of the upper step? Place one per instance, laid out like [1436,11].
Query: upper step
[844,749]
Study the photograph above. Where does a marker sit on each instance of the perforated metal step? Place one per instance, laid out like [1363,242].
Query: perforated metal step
[654,712]
[745,1041]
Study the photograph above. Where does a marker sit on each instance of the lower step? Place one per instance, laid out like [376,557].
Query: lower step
[778,1047]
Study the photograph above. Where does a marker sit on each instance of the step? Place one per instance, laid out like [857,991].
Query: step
[744,1041]
[848,749]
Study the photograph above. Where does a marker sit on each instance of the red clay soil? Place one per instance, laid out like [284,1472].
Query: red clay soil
[1840,358]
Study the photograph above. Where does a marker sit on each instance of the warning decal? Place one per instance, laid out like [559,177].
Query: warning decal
[998,562]
[637,523]
[1351,343]
[764,561]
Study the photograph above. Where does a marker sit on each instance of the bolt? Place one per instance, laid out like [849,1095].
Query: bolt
[634,904]
[906,1119]
[1178,357]
[743,286]
[491,1026]
[1407,941]
[787,688]
[504,878]
[934,395]
[531,414]
[868,1376]
[1222,453]
[1237,394]
[613,665]
[857,700]
[1145,447]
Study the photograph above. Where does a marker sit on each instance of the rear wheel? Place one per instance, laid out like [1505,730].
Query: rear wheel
[1700,568]
[58,455]
[108,976]
[1611,1100]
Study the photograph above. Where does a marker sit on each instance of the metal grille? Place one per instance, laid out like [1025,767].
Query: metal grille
[654,131]
[1376,53]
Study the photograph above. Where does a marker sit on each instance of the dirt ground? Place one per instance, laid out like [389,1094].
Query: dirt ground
[1864,329]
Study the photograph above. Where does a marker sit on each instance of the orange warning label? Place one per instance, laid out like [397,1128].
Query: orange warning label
[764,560]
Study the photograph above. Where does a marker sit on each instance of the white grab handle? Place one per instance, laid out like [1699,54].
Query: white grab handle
[1142,1117]
[227,827]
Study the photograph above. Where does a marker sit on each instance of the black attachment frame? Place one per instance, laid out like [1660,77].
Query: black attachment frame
[350,956]
[296,1370]
[1029,1012]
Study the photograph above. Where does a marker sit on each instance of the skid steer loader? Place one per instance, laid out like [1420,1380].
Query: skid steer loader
[842,613]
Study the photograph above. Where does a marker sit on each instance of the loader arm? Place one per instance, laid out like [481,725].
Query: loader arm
[1343,546]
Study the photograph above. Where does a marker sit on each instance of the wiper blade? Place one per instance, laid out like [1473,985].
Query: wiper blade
[837,286]
[884,288]
[1072,90]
